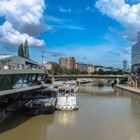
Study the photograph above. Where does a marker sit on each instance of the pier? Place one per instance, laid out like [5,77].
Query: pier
[15,85]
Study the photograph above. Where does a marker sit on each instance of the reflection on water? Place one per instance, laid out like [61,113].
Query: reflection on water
[103,115]
[90,89]
[66,118]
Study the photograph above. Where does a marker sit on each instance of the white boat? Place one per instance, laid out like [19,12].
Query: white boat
[61,84]
[66,100]
[72,85]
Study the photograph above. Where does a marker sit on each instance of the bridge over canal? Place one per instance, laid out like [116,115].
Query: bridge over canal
[112,77]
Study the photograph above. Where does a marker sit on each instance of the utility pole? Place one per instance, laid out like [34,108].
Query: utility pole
[43,54]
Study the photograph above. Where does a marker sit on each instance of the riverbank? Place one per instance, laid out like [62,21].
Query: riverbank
[127,89]
[133,92]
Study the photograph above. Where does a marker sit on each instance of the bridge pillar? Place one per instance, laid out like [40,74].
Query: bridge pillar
[118,81]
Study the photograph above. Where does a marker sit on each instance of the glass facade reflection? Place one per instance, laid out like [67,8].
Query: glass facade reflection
[135,57]
[16,81]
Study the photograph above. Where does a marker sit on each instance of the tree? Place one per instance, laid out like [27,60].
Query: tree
[20,50]
[75,71]
[119,72]
[23,50]
[100,72]
[26,49]
[58,70]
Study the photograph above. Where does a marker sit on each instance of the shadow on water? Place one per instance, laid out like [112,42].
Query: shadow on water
[13,121]
[18,119]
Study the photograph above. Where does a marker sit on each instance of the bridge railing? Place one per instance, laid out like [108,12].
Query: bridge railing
[88,76]
[20,66]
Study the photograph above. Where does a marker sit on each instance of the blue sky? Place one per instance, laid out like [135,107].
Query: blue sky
[98,32]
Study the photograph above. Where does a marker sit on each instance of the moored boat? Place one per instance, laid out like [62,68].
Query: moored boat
[66,100]
[68,84]
[40,106]
[72,85]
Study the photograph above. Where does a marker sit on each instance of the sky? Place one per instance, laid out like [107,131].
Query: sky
[98,32]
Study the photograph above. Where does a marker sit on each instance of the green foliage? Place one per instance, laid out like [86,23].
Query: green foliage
[20,50]
[120,72]
[26,47]
[23,50]
[75,71]
[58,70]
[101,72]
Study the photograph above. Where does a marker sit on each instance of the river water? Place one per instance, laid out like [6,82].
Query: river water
[102,115]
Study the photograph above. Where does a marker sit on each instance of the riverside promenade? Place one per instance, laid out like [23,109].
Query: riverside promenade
[126,89]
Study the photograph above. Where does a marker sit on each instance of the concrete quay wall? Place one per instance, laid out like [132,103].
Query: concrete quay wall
[128,91]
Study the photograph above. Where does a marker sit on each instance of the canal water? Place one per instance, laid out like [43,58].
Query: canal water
[103,115]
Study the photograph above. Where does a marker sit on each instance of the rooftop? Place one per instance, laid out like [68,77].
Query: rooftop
[3,56]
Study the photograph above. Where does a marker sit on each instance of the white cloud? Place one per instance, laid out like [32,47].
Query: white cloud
[51,18]
[64,10]
[60,23]
[69,27]
[24,11]
[23,20]
[122,12]
[9,36]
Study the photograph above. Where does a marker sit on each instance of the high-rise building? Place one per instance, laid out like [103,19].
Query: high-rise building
[67,62]
[138,36]
[135,55]
[124,65]
[63,62]
[71,63]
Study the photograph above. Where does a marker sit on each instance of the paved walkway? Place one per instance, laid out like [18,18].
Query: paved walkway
[132,89]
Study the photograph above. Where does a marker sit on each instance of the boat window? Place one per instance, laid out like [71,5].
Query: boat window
[61,90]
[72,90]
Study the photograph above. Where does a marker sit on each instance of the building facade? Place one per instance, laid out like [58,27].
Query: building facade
[99,68]
[82,67]
[124,65]
[135,56]
[71,63]
[104,69]
[67,62]
[63,62]
[49,65]
[91,69]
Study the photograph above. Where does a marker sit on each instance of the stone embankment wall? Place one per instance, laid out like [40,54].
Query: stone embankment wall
[128,91]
